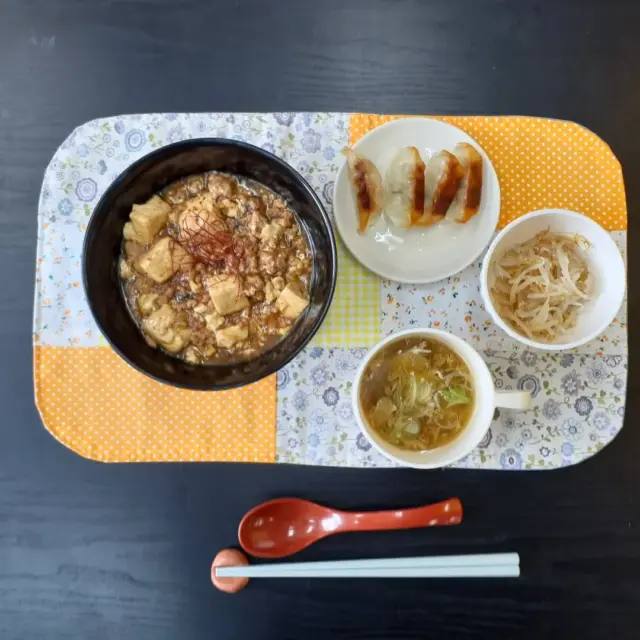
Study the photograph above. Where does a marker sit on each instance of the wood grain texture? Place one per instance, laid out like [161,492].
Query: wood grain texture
[95,551]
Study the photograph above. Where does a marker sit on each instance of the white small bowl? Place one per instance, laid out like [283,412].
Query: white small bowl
[605,264]
[486,399]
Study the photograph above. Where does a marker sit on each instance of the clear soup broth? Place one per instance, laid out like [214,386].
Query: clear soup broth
[417,393]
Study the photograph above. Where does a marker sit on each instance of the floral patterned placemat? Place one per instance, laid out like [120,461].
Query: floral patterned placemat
[578,409]
[578,396]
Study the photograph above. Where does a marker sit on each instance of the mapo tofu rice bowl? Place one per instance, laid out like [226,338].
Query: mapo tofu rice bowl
[209,264]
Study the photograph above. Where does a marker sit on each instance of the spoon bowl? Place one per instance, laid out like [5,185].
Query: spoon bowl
[284,526]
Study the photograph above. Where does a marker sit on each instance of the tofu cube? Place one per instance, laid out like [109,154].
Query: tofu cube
[147,303]
[126,272]
[160,326]
[160,322]
[226,294]
[292,301]
[161,261]
[177,343]
[213,321]
[146,220]
[129,233]
[229,336]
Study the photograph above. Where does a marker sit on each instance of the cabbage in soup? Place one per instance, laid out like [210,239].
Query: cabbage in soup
[417,393]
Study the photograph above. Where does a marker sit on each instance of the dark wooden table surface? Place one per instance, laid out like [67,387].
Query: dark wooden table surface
[95,551]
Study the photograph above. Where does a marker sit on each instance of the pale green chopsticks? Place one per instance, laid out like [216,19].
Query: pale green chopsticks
[488,565]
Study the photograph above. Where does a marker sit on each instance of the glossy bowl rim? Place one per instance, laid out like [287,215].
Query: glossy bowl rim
[212,142]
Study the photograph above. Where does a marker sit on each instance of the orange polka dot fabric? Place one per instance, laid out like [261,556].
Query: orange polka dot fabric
[101,408]
[540,164]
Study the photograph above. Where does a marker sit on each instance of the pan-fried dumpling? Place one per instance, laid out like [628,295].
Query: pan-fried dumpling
[442,178]
[367,188]
[467,200]
[404,188]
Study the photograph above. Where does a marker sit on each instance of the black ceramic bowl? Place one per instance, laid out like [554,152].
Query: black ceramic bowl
[137,184]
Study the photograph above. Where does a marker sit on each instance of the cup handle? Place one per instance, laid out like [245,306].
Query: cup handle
[513,399]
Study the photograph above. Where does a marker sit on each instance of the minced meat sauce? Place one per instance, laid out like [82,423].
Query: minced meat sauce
[215,269]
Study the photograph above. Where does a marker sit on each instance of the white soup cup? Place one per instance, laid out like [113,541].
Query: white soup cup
[486,399]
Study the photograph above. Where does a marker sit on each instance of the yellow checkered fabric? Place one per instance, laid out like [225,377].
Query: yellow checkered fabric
[354,317]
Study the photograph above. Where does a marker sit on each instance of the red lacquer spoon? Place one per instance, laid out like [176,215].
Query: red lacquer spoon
[278,528]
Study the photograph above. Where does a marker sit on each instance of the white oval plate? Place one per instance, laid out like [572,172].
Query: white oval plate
[416,255]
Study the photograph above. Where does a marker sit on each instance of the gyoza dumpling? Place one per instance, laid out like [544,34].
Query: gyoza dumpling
[367,188]
[467,200]
[404,188]
[443,176]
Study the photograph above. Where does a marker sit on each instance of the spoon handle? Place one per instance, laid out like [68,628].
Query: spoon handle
[444,513]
